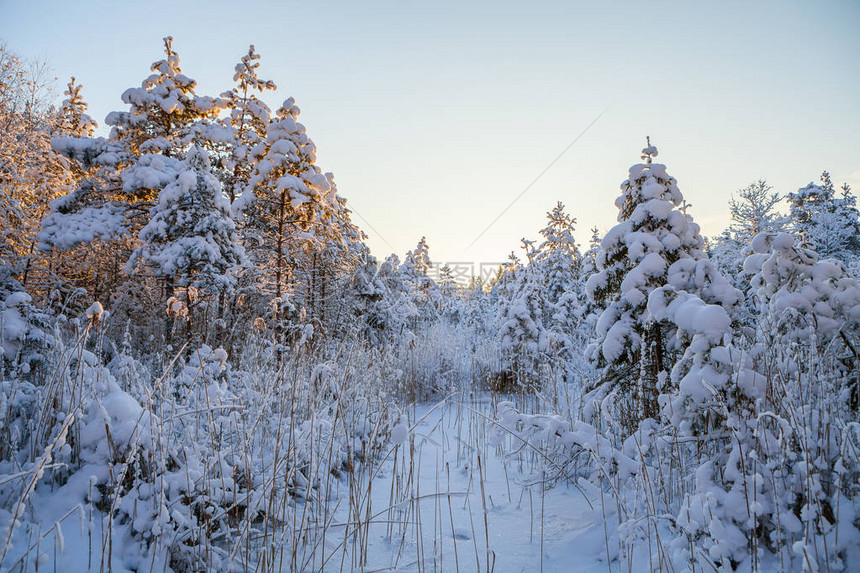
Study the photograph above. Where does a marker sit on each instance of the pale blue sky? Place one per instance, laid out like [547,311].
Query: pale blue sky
[433,116]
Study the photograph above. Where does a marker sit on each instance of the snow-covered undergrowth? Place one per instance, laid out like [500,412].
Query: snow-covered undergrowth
[775,489]
[203,466]
[765,478]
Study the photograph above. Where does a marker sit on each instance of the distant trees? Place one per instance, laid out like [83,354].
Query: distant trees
[539,306]
[521,327]
[826,220]
[754,210]
[559,260]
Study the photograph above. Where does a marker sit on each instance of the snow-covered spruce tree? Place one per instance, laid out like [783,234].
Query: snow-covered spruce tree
[520,327]
[190,241]
[368,290]
[828,223]
[383,304]
[453,306]
[559,260]
[728,253]
[249,118]
[478,312]
[590,311]
[634,350]
[422,288]
[589,257]
[400,306]
[503,285]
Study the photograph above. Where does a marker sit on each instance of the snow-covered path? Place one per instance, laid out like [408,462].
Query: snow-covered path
[428,500]
[442,497]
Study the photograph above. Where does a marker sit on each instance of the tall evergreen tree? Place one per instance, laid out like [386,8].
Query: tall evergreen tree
[653,232]
[286,192]
[417,262]
[162,110]
[754,211]
[119,178]
[558,263]
[424,291]
[521,330]
[249,118]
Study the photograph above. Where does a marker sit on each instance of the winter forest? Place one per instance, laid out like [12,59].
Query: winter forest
[204,368]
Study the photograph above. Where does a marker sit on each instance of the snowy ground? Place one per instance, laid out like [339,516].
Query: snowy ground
[443,498]
[427,508]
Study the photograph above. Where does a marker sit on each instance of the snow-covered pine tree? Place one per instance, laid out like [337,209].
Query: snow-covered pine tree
[728,253]
[559,262]
[162,110]
[369,293]
[654,231]
[190,241]
[478,312]
[589,310]
[74,121]
[754,211]
[589,257]
[423,290]
[520,330]
[119,178]
[503,285]
[326,263]
[401,304]
[417,262]
[284,196]
[249,118]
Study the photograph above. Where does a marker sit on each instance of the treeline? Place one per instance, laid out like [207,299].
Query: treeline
[198,219]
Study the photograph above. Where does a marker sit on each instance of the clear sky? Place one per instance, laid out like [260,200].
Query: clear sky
[434,116]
